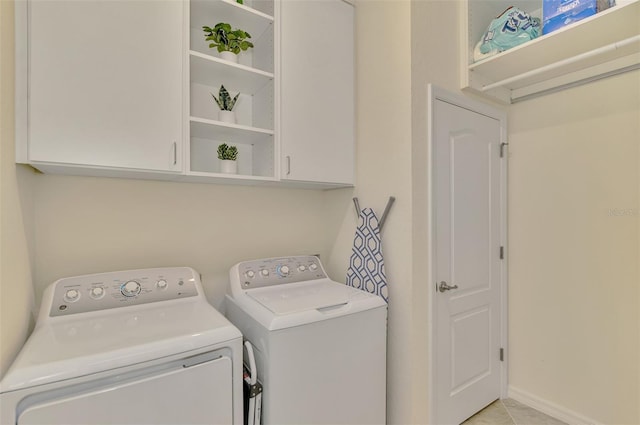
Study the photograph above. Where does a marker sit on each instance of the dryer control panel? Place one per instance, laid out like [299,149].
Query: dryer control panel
[102,291]
[276,271]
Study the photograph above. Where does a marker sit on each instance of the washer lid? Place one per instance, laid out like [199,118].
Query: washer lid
[303,296]
[300,303]
[95,342]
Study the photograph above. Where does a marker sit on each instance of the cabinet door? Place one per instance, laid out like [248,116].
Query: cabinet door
[105,83]
[317,91]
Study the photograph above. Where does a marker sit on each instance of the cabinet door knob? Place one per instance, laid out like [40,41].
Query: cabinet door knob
[288,165]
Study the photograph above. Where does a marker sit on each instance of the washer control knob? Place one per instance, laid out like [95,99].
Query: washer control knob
[313,266]
[162,284]
[264,272]
[283,271]
[251,274]
[130,288]
[302,268]
[97,292]
[72,295]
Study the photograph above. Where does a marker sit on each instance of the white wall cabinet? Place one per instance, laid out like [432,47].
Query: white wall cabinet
[317,111]
[104,83]
[601,45]
[123,89]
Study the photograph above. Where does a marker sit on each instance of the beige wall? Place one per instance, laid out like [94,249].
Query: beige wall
[573,236]
[88,225]
[434,59]
[383,58]
[16,213]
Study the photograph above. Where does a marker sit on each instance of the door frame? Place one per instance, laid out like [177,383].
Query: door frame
[435,93]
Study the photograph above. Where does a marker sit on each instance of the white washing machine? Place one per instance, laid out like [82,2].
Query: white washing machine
[130,347]
[320,346]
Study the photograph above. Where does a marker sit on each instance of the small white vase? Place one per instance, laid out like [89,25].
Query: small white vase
[228,166]
[227,116]
[229,56]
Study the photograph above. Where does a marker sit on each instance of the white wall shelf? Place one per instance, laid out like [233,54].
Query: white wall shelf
[210,70]
[253,77]
[234,133]
[203,177]
[601,45]
[209,13]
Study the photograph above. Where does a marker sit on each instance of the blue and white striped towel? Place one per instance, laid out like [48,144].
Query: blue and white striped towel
[366,267]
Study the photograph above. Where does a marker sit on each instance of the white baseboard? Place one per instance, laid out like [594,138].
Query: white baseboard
[554,410]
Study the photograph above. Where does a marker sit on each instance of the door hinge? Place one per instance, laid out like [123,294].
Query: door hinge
[502,253]
[502,145]
[502,354]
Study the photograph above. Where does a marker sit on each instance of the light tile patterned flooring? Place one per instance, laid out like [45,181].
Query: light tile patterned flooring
[510,412]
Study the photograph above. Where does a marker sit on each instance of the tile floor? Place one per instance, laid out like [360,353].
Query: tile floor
[510,412]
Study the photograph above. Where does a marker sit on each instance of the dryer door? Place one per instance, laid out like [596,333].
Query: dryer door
[197,390]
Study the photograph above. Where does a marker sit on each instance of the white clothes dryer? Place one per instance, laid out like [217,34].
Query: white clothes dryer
[320,346]
[130,347]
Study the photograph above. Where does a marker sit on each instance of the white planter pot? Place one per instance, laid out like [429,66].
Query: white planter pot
[229,56]
[228,166]
[227,116]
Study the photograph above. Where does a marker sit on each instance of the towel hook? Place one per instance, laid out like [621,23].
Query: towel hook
[390,202]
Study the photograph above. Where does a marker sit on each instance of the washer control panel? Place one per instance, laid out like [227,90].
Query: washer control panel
[102,291]
[278,271]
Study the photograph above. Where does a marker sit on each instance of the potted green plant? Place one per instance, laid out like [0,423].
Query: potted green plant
[226,103]
[227,156]
[229,42]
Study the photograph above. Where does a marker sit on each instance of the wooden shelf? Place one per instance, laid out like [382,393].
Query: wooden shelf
[212,71]
[580,52]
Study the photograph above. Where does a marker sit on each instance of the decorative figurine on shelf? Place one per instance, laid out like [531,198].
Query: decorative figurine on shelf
[226,104]
[227,41]
[227,156]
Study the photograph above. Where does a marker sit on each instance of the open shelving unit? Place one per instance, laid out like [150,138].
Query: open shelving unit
[604,44]
[253,77]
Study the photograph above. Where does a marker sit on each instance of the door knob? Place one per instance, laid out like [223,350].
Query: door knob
[444,287]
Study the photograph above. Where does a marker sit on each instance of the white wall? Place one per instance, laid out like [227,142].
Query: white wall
[16,213]
[573,236]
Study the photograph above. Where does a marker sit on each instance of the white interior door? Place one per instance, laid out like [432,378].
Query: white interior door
[468,218]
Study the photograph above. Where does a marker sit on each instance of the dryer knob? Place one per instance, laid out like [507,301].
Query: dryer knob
[72,295]
[97,292]
[283,271]
[264,272]
[313,266]
[130,288]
